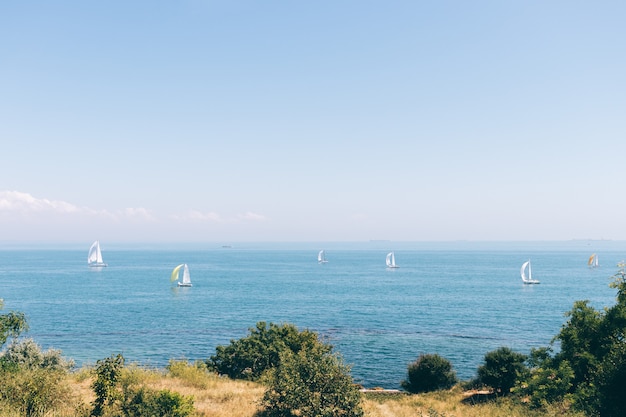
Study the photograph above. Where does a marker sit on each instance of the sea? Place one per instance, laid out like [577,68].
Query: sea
[460,300]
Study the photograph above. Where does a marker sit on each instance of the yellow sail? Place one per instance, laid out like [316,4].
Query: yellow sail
[175,272]
[590,262]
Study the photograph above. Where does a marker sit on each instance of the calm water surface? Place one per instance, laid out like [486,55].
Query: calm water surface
[459,300]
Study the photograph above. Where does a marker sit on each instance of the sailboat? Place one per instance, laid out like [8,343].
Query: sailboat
[527,279]
[593,261]
[321,257]
[186,282]
[391,260]
[94,258]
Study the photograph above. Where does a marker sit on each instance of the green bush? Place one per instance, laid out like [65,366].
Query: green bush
[11,324]
[582,340]
[106,385]
[430,372]
[311,383]
[546,381]
[26,354]
[195,375]
[144,402]
[501,369]
[249,357]
[118,394]
[32,382]
[591,346]
[33,392]
[611,382]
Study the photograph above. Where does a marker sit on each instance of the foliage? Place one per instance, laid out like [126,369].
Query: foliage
[145,402]
[11,325]
[311,383]
[430,372]
[34,391]
[590,369]
[32,381]
[544,382]
[501,369]
[105,386]
[582,340]
[26,354]
[193,374]
[117,394]
[249,357]
[611,382]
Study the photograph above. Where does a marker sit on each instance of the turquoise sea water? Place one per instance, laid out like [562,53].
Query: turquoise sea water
[459,300]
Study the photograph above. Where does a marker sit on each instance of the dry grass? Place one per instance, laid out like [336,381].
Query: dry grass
[221,397]
[213,396]
[453,403]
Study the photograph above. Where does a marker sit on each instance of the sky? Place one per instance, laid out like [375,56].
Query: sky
[227,121]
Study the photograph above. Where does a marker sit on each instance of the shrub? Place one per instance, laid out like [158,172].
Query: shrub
[611,382]
[249,357]
[26,354]
[196,375]
[501,368]
[547,381]
[32,381]
[430,372]
[34,392]
[11,325]
[583,340]
[311,383]
[145,402]
[118,394]
[108,373]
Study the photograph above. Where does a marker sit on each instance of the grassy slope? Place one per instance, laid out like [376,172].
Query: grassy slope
[222,397]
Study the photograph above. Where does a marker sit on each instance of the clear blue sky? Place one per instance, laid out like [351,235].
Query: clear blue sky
[346,120]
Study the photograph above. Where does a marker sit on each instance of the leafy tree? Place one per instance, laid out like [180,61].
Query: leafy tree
[501,368]
[582,339]
[311,383]
[545,381]
[249,357]
[590,368]
[106,387]
[611,382]
[430,372]
[11,324]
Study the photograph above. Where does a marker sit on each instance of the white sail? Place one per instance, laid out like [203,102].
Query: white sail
[593,261]
[527,279]
[186,282]
[321,257]
[391,260]
[186,278]
[94,257]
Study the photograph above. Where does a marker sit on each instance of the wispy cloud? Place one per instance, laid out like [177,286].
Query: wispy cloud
[15,201]
[250,216]
[138,213]
[211,216]
[24,203]
[196,215]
